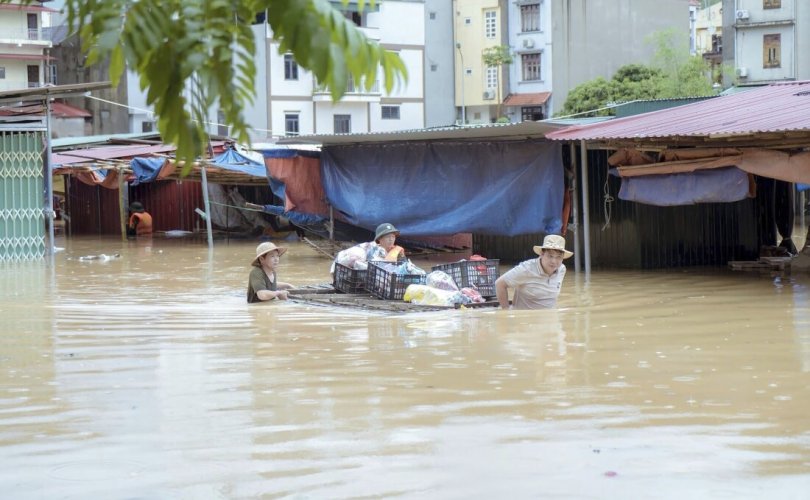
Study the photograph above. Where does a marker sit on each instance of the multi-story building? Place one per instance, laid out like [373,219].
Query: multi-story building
[766,40]
[709,37]
[478,25]
[24,58]
[298,104]
[556,45]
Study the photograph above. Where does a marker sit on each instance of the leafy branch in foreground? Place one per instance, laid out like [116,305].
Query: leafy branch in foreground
[191,54]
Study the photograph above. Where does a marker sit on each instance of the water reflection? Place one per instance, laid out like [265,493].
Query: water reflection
[149,374]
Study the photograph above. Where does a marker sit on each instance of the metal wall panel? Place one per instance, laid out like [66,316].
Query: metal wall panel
[94,209]
[22,200]
[648,237]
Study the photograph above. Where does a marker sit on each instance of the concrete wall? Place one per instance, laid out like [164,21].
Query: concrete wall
[743,40]
[72,68]
[593,38]
[438,64]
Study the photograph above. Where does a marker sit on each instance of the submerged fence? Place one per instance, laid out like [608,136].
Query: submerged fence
[22,204]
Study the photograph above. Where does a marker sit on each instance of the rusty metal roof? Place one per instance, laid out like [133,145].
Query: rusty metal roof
[776,108]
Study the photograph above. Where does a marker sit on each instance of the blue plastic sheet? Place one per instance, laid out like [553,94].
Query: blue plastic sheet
[497,188]
[145,169]
[232,160]
[297,218]
[722,185]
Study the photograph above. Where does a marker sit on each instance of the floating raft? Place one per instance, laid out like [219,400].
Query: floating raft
[763,264]
[326,295]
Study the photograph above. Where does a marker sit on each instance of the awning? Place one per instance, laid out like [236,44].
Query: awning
[26,8]
[27,57]
[529,99]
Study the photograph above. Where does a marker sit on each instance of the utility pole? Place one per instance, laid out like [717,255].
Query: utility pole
[463,108]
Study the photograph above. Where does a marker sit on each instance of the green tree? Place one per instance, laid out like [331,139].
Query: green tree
[673,73]
[498,56]
[207,46]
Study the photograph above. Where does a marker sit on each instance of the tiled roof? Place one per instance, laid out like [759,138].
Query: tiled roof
[533,99]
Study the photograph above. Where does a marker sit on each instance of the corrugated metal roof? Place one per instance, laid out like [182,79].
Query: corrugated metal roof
[503,131]
[779,107]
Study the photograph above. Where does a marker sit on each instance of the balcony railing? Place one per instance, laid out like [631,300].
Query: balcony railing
[17,85]
[351,88]
[23,35]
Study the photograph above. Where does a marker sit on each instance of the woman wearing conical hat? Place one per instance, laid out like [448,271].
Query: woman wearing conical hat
[537,282]
[263,282]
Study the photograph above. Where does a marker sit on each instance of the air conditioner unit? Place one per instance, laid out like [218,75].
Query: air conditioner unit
[742,15]
[742,72]
[528,43]
[489,94]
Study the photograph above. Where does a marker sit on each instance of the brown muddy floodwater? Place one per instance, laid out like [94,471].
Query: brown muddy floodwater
[149,377]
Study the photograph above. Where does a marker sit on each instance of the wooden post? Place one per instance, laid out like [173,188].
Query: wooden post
[586,218]
[123,210]
[575,205]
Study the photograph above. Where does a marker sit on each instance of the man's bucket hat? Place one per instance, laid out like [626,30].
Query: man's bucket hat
[384,229]
[136,207]
[266,247]
[553,242]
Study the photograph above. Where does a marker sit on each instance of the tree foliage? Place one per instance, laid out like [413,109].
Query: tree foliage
[192,54]
[498,56]
[673,73]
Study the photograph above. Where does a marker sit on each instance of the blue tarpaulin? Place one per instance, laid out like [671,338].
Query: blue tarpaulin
[232,160]
[145,169]
[297,218]
[720,185]
[497,188]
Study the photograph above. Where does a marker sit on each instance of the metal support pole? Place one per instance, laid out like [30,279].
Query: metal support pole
[575,206]
[49,178]
[586,219]
[207,206]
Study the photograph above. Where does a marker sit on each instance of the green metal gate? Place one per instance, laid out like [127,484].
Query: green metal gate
[22,203]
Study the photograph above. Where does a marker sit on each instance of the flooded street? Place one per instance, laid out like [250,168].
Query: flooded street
[149,376]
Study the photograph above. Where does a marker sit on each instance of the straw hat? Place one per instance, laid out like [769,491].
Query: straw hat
[384,229]
[553,242]
[266,247]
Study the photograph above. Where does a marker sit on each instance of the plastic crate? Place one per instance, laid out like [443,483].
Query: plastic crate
[478,274]
[387,285]
[348,280]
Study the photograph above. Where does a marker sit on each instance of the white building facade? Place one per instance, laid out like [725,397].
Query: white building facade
[296,104]
[24,59]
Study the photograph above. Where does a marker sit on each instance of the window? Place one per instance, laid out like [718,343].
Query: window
[771,4]
[432,15]
[531,113]
[467,21]
[771,51]
[490,24]
[290,68]
[2,72]
[492,77]
[222,128]
[147,127]
[291,124]
[390,112]
[530,17]
[343,124]
[434,67]
[468,71]
[531,66]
